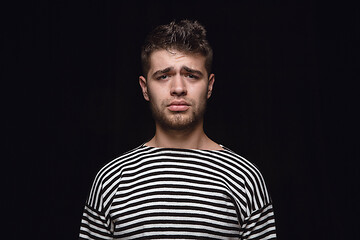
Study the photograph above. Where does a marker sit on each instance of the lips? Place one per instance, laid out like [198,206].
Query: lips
[178,106]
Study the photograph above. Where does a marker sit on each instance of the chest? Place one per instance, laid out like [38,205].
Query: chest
[172,199]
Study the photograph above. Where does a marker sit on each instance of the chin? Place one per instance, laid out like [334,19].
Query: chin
[178,122]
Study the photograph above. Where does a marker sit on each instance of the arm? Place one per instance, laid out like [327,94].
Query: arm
[94,225]
[260,224]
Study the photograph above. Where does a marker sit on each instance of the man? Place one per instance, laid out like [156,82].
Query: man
[180,184]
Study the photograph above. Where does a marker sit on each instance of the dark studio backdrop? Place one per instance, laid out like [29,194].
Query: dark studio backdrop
[285,97]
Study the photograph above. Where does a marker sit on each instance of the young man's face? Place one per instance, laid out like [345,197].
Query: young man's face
[177,87]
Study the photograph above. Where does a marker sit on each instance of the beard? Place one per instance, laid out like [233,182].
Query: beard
[178,121]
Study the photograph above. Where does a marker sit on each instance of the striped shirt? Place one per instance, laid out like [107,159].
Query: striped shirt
[165,193]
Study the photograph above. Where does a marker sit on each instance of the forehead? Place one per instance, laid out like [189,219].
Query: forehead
[161,59]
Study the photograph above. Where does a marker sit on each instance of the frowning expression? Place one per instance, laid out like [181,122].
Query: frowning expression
[177,87]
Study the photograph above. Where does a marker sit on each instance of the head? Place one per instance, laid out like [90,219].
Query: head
[185,36]
[177,79]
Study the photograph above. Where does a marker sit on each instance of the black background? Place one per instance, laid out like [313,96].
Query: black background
[285,97]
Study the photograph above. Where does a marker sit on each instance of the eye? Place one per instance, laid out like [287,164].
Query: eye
[162,77]
[192,76]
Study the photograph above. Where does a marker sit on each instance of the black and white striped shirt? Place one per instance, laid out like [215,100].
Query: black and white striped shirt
[163,193]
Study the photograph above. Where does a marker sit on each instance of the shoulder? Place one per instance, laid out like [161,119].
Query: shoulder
[254,184]
[108,178]
[114,168]
[239,164]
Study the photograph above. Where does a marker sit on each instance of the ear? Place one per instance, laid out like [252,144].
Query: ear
[143,85]
[210,85]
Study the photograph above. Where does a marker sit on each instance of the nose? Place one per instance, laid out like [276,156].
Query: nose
[178,87]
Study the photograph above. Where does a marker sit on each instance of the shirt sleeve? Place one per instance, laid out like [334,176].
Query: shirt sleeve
[96,223]
[260,224]
[258,221]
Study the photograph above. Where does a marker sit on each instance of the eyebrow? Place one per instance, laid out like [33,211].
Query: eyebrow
[190,70]
[165,70]
[168,69]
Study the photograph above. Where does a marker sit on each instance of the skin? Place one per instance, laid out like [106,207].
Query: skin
[178,87]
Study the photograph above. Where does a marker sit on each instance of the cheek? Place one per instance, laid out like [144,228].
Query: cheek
[156,94]
[199,92]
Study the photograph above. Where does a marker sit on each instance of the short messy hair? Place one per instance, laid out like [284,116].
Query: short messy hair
[184,36]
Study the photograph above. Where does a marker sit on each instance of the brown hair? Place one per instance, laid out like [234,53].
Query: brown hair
[185,36]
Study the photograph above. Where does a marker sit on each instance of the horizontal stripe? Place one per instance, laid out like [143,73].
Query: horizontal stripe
[185,223]
[198,219]
[146,209]
[162,229]
[159,193]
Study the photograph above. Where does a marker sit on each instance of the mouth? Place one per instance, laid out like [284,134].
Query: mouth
[178,106]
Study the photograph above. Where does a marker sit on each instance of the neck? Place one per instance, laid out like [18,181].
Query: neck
[194,138]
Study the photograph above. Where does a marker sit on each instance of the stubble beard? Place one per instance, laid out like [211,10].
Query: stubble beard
[178,121]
